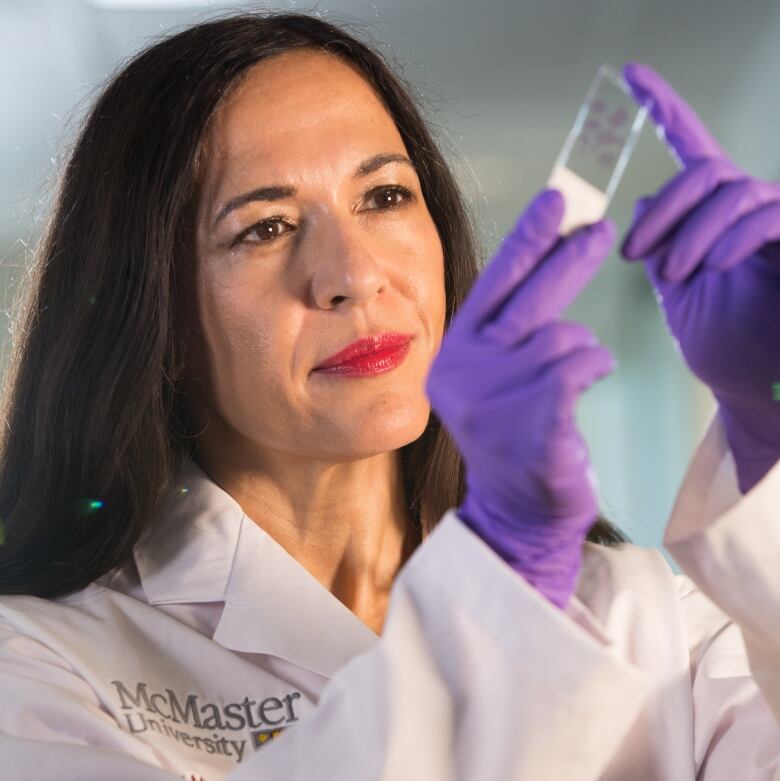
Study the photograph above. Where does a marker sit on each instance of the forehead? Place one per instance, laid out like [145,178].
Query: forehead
[297,105]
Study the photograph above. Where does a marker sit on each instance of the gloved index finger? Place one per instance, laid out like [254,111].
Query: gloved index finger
[554,284]
[523,247]
[681,126]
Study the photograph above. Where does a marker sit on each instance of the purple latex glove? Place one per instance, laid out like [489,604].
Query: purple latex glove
[504,384]
[709,239]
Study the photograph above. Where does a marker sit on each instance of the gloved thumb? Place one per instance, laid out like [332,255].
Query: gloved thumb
[654,261]
[640,207]
[683,131]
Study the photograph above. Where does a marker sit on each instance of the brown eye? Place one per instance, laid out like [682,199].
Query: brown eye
[266,231]
[387,197]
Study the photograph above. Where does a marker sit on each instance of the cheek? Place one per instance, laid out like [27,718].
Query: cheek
[248,375]
[239,336]
[429,265]
[235,329]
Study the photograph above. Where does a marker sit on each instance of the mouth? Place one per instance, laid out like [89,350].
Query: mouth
[366,357]
[367,347]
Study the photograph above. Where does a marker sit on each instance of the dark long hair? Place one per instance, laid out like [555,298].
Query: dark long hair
[94,428]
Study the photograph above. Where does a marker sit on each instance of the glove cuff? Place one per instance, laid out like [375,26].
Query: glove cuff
[754,444]
[548,556]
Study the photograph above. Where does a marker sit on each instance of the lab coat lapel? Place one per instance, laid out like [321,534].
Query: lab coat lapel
[203,548]
[189,554]
[275,606]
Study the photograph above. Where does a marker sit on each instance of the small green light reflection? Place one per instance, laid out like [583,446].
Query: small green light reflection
[88,506]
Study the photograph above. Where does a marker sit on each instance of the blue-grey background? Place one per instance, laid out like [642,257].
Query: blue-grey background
[501,80]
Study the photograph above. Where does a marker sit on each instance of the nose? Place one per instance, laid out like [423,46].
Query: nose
[347,262]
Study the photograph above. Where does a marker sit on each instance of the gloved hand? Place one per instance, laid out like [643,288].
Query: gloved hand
[709,240]
[504,384]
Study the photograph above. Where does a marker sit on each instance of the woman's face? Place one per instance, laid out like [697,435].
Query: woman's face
[283,283]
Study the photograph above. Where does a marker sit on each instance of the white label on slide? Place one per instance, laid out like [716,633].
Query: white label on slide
[585,203]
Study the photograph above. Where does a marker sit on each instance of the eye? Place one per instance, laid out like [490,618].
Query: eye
[266,230]
[388,193]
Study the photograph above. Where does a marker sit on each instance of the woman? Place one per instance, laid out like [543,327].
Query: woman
[212,534]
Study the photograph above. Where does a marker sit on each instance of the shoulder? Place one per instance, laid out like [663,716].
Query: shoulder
[631,571]
[645,606]
[24,608]
[61,623]
[627,571]
[116,584]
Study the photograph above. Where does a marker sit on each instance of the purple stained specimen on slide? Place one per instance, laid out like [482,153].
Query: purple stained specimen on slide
[608,137]
[606,159]
[603,134]
[619,117]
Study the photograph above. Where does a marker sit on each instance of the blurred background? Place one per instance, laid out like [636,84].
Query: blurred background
[501,81]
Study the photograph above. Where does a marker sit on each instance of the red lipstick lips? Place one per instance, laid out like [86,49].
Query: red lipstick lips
[371,355]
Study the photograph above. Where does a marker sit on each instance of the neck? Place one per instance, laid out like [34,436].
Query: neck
[344,522]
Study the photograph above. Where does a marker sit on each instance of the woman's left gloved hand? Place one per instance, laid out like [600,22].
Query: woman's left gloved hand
[710,240]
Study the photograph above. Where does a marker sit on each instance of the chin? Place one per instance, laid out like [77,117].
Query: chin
[385,432]
[404,427]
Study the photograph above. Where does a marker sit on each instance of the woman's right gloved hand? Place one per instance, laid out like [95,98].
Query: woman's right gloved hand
[504,383]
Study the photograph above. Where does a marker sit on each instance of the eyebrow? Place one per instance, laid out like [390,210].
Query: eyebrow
[277,192]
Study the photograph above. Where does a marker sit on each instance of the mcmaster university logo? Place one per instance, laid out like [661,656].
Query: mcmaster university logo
[262,736]
[205,726]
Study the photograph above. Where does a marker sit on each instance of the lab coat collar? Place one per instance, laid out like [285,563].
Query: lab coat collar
[203,548]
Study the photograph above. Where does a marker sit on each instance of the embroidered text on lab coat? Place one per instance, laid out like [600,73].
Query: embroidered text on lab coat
[169,709]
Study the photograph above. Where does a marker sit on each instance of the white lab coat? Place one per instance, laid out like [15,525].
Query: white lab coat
[221,657]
